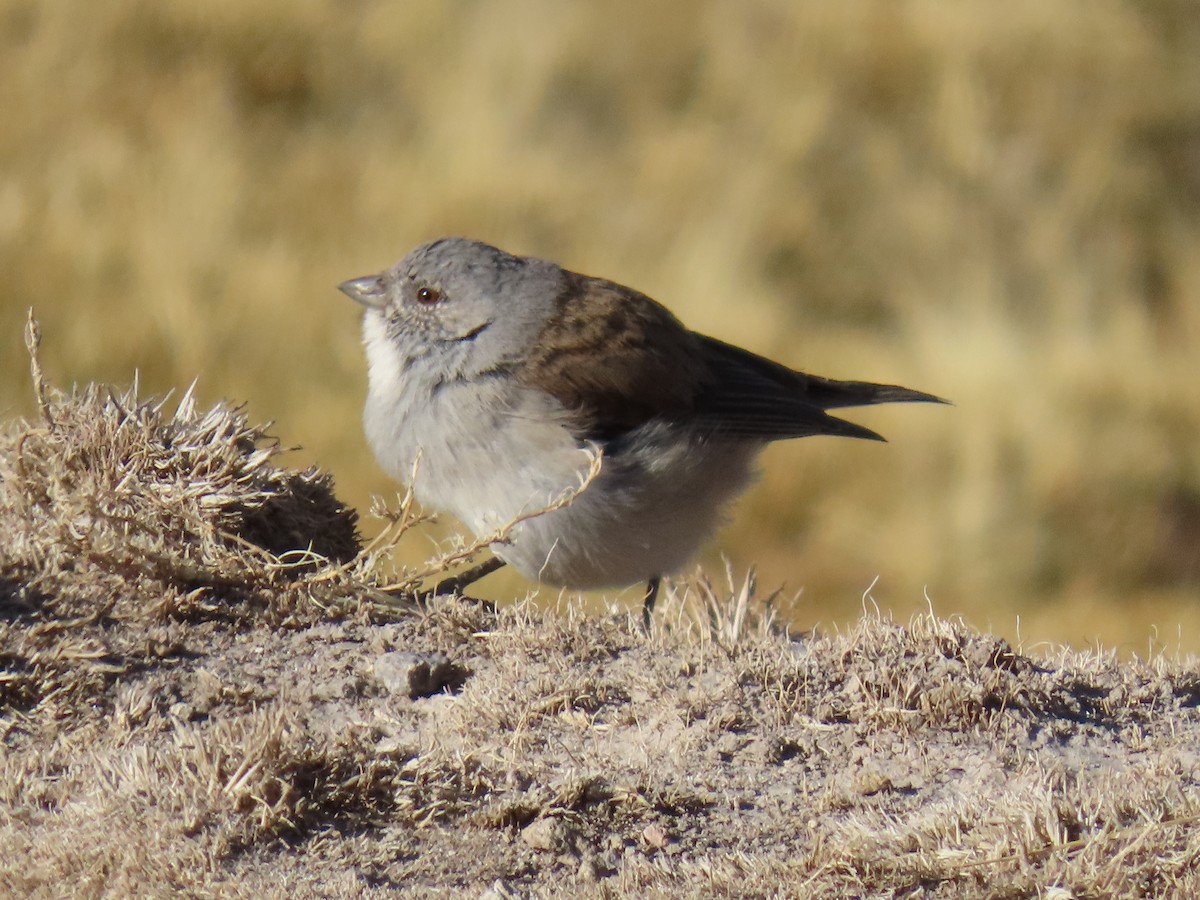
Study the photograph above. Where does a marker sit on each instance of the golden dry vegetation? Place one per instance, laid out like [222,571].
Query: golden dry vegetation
[999,203]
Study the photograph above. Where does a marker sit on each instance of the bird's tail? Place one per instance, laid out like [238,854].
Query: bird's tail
[828,393]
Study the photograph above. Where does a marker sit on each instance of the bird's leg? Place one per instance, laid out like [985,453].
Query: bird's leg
[457,583]
[648,601]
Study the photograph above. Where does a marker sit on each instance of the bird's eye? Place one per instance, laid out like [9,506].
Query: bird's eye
[428,296]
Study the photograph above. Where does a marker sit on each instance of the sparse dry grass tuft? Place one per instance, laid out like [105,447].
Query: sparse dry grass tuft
[142,811]
[123,521]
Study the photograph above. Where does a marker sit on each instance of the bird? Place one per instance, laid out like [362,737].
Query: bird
[496,382]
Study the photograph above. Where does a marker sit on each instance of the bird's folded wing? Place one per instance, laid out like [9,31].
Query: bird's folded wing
[746,395]
[614,359]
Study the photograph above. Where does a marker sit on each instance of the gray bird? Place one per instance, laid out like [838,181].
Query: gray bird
[508,373]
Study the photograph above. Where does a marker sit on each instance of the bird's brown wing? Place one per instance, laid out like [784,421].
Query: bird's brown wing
[615,358]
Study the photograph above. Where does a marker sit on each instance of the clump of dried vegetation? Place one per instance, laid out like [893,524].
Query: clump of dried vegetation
[120,518]
[202,690]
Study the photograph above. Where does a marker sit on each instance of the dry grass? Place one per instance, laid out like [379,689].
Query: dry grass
[200,693]
[998,204]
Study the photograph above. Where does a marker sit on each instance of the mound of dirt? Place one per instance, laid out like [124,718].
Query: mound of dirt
[204,691]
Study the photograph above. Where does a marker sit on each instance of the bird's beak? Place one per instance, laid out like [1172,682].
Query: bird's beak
[369,290]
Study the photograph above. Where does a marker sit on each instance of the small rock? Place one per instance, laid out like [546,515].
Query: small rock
[545,834]
[867,783]
[330,689]
[655,836]
[728,745]
[184,712]
[207,693]
[417,674]
[499,890]
[589,871]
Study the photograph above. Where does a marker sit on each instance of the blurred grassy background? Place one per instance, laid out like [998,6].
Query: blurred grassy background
[999,203]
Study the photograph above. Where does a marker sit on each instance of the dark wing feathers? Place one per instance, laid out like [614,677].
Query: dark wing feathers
[823,392]
[614,357]
[617,359]
[747,395]
[771,419]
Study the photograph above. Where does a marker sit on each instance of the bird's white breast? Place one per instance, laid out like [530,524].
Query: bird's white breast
[491,450]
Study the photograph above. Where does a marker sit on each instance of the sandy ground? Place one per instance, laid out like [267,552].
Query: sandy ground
[204,692]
